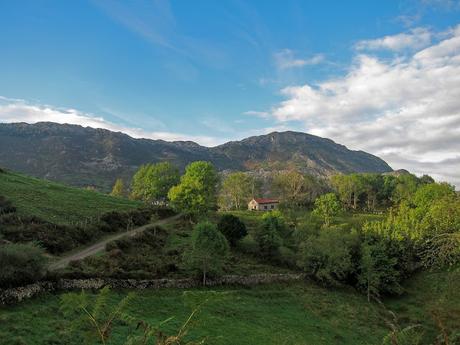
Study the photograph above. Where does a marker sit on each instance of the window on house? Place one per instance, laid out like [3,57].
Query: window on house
[272,207]
[265,207]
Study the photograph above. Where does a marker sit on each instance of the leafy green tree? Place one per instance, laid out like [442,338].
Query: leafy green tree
[232,228]
[236,191]
[196,192]
[118,189]
[152,182]
[270,233]
[327,206]
[328,256]
[209,249]
[428,193]
[406,187]
[378,270]
[344,186]
[372,184]
[21,264]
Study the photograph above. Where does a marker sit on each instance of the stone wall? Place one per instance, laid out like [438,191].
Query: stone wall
[14,295]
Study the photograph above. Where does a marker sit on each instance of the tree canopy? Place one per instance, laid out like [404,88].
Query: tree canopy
[152,182]
[196,192]
[208,251]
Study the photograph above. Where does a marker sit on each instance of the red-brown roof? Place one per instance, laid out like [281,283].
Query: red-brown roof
[266,201]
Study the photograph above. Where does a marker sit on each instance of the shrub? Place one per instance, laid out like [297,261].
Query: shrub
[328,257]
[232,228]
[21,264]
[6,206]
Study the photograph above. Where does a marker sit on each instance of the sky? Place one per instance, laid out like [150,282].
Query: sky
[377,76]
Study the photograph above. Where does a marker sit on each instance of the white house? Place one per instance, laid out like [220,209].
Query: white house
[261,204]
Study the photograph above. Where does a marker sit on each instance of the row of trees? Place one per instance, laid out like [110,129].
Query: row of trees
[201,189]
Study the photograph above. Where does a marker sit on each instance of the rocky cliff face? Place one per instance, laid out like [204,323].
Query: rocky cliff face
[82,156]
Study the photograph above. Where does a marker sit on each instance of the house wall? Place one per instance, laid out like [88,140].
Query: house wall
[262,207]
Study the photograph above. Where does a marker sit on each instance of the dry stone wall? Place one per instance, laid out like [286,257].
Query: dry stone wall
[18,294]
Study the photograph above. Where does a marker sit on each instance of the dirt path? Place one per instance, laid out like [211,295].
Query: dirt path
[100,246]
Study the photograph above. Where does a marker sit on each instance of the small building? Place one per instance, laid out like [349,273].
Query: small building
[261,204]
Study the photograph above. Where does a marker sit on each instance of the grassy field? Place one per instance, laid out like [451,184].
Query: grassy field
[303,313]
[56,202]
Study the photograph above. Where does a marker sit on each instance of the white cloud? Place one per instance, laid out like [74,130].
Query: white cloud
[415,39]
[16,110]
[262,114]
[285,59]
[406,110]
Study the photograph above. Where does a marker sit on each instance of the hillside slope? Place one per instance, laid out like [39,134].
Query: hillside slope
[55,202]
[86,156]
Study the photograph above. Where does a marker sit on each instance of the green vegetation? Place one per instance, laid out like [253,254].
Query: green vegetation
[58,203]
[411,225]
[118,189]
[327,206]
[152,182]
[301,313]
[232,228]
[208,251]
[21,264]
[236,189]
[196,194]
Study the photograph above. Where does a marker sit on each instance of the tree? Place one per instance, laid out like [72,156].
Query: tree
[372,184]
[196,192]
[209,249]
[378,271]
[290,186]
[342,185]
[21,264]
[269,234]
[236,190]
[328,255]
[427,194]
[327,206]
[232,228]
[406,187]
[349,188]
[118,189]
[296,189]
[152,182]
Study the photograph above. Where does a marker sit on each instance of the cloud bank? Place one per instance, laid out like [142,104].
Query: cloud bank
[17,110]
[405,109]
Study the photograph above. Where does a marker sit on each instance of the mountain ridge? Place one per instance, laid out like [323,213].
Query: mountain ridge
[83,156]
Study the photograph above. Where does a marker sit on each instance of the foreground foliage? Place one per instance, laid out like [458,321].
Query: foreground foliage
[301,313]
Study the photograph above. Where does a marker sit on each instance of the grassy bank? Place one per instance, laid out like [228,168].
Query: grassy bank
[302,313]
[56,202]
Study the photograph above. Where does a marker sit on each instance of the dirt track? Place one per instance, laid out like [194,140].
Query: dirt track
[100,246]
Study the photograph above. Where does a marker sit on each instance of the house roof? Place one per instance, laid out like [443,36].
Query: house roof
[266,201]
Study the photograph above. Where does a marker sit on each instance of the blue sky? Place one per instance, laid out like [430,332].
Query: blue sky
[213,71]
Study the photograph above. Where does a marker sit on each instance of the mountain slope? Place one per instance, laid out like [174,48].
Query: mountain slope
[86,156]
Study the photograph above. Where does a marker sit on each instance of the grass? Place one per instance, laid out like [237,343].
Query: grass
[55,202]
[301,313]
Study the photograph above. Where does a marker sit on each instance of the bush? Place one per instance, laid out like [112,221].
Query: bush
[232,228]
[6,206]
[21,264]
[328,257]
